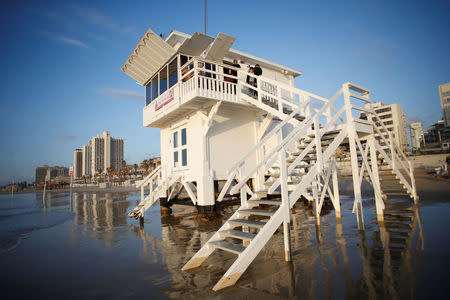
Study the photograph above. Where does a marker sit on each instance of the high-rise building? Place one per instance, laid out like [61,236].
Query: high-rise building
[100,153]
[393,119]
[87,160]
[116,153]
[416,135]
[77,163]
[444,93]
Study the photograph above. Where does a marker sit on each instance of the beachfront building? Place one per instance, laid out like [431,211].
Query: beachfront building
[436,138]
[77,163]
[234,126]
[87,160]
[101,153]
[41,173]
[416,131]
[392,117]
[444,93]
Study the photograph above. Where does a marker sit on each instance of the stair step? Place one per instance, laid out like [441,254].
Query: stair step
[388,175]
[237,234]
[245,222]
[397,225]
[301,148]
[398,214]
[397,241]
[230,247]
[268,202]
[391,185]
[303,166]
[256,212]
[398,194]
[389,179]
[397,218]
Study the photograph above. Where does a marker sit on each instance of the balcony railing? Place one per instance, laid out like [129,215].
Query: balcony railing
[197,78]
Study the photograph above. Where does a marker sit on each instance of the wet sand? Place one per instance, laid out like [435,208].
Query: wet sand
[94,189]
[90,249]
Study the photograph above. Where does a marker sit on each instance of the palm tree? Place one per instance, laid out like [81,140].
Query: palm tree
[144,164]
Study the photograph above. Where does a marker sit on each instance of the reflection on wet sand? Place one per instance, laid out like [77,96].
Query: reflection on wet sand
[101,215]
[330,260]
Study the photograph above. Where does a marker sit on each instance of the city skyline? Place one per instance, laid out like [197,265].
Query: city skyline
[71,86]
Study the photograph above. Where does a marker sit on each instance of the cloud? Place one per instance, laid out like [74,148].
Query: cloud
[64,39]
[121,94]
[73,42]
[93,16]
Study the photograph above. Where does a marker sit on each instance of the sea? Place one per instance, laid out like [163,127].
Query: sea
[84,246]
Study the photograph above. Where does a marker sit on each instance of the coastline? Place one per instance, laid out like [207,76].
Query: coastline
[83,189]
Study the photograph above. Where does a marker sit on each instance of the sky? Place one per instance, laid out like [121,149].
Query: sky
[61,82]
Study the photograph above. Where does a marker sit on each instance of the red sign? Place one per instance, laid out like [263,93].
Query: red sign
[71,171]
[160,102]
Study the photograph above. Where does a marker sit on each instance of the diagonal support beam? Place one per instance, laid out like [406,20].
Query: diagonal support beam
[211,115]
[187,187]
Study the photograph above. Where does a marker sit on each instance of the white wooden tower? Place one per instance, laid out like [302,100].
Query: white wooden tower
[259,137]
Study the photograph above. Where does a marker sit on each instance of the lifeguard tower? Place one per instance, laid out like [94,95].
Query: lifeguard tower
[226,132]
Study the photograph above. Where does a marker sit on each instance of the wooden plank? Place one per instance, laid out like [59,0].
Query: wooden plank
[244,222]
[237,234]
[229,247]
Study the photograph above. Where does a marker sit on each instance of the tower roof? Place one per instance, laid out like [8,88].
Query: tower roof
[152,53]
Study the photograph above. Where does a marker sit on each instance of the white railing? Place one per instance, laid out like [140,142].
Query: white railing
[302,129]
[151,180]
[397,159]
[204,78]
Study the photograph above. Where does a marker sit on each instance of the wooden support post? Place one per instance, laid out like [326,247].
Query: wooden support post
[336,199]
[413,183]
[376,179]
[285,206]
[391,148]
[315,190]
[357,207]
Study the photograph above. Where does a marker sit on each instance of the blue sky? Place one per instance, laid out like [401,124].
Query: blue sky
[61,82]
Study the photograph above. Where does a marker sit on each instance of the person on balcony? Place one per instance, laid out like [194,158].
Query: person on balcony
[251,81]
[257,70]
[235,72]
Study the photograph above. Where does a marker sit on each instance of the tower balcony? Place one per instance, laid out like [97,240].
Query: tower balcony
[198,82]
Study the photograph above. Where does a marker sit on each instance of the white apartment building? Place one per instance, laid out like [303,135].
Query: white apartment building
[77,163]
[416,135]
[444,93]
[87,159]
[393,119]
[101,153]
[98,155]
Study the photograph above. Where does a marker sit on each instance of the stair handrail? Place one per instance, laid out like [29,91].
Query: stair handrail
[294,133]
[396,147]
[292,136]
[235,168]
[296,162]
[400,175]
[149,177]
